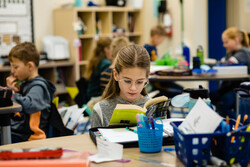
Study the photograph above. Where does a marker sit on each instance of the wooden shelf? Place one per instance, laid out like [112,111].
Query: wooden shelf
[106,18]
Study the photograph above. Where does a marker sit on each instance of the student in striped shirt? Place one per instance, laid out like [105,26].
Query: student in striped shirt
[116,44]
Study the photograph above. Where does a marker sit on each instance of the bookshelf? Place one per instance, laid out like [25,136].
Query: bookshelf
[100,22]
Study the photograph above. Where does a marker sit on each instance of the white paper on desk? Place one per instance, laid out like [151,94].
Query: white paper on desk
[118,135]
[201,119]
[107,151]
[68,113]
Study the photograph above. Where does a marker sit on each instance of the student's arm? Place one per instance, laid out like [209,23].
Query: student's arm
[33,101]
[240,57]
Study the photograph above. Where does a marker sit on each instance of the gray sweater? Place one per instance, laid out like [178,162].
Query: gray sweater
[103,110]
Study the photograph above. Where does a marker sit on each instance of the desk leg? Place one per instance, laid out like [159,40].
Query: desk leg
[6,131]
[6,135]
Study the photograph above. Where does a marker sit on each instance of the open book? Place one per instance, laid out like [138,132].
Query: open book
[125,114]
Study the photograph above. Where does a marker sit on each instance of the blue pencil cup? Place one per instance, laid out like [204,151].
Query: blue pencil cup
[150,140]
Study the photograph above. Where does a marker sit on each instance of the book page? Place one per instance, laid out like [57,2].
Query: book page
[201,119]
[119,135]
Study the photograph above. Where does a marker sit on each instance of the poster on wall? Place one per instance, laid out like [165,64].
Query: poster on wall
[16,24]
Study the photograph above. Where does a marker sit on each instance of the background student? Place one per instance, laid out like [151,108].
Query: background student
[116,44]
[236,43]
[126,86]
[157,36]
[100,61]
[34,94]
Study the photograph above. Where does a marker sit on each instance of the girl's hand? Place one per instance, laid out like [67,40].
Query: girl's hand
[11,82]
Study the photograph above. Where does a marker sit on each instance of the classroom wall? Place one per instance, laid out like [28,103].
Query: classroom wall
[195,25]
[193,35]
[43,18]
[238,14]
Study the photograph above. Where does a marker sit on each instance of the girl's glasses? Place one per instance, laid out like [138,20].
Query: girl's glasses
[138,84]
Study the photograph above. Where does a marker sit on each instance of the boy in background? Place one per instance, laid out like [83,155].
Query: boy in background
[32,92]
[157,36]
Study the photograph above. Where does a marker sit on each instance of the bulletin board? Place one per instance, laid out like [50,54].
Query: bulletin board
[16,24]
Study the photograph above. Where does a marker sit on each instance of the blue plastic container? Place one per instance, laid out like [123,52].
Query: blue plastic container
[150,140]
[195,149]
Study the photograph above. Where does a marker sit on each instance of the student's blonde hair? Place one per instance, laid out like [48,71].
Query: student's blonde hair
[118,43]
[158,30]
[128,57]
[25,52]
[98,55]
[234,32]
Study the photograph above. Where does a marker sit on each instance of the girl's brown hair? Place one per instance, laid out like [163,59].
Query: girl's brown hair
[234,32]
[128,57]
[98,55]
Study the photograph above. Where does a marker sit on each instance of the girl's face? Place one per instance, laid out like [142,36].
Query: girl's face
[131,82]
[229,44]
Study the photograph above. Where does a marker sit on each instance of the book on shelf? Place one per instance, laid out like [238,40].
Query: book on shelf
[125,114]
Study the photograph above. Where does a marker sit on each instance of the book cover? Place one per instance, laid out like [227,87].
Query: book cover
[125,114]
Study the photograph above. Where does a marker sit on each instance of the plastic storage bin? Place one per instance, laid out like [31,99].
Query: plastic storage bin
[195,149]
[150,140]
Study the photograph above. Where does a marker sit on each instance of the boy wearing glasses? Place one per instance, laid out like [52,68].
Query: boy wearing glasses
[126,86]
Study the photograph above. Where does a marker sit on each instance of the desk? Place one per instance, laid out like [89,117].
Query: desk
[84,143]
[198,78]
[5,114]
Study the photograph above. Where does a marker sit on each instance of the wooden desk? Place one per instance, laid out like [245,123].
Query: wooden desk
[198,78]
[5,114]
[84,143]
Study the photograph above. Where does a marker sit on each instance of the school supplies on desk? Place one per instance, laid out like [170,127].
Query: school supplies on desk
[201,119]
[150,139]
[125,114]
[197,149]
[122,136]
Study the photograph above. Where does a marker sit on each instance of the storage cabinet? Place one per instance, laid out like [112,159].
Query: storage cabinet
[99,21]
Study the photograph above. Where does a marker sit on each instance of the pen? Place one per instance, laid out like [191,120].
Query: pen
[236,127]
[145,120]
[129,129]
[169,150]
[138,120]
[151,119]
[237,130]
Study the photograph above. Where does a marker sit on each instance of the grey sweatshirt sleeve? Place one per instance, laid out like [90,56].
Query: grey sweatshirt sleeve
[34,100]
[96,118]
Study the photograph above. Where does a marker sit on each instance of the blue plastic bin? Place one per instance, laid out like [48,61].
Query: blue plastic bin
[150,140]
[195,149]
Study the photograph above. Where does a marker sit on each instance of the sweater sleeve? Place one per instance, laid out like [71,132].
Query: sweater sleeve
[96,118]
[33,101]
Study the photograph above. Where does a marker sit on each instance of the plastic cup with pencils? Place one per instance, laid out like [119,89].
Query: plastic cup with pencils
[150,135]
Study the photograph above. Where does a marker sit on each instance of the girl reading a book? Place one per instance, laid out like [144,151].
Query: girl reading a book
[126,86]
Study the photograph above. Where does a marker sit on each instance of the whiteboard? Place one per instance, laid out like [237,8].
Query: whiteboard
[16,24]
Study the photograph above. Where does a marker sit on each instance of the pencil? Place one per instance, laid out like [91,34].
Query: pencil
[227,120]
[244,119]
[236,127]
